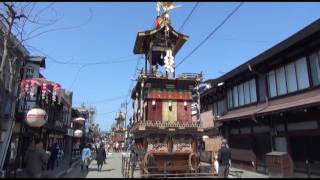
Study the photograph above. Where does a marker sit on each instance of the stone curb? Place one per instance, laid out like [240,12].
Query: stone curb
[61,174]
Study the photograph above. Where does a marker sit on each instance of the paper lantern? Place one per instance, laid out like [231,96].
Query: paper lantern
[79,119]
[78,133]
[36,117]
[204,137]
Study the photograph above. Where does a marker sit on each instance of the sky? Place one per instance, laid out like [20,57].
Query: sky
[106,31]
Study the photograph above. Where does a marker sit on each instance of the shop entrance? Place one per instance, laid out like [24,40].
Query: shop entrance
[306,148]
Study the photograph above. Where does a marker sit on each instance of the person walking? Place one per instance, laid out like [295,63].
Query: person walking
[60,155]
[36,158]
[224,158]
[53,156]
[101,156]
[85,157]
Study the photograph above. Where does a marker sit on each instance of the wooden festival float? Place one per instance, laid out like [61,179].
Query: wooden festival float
[164,133]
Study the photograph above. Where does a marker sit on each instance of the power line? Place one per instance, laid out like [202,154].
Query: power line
[85,65]
[208,37]
[188,17]
[107,100]
[113,61]
[130,87]
[109,112]
[243,40]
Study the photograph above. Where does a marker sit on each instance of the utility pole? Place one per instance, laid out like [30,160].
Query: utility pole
[125,105]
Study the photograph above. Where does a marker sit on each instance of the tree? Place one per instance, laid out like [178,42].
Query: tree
[9,20]
[19,22]
[16,18]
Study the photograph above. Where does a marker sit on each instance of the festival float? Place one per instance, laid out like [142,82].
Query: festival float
[165,136]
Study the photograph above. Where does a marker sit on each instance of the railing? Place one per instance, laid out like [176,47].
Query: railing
[170,124]
[125,166]
[179,171]
[164,75]
[190,75]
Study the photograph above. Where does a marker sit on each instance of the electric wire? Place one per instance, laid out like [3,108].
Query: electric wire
[210,34]
[107,100]
[86,65]
[188,17]
[113,61]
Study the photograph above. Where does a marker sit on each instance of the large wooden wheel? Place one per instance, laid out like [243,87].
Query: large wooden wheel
[193,162]
[145,163]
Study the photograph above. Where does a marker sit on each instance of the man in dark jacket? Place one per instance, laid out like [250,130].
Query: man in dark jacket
[101,156]
[35,158]
[224,157]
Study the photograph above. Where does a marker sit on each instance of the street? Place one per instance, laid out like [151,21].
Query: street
[110,170]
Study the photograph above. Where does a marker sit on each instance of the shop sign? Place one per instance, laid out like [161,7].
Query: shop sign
[70,132]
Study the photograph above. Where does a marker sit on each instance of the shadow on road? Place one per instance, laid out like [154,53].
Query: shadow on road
[83,173]
[108,170]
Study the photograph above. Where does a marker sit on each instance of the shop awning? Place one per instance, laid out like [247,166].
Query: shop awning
[302,100]
[241,113]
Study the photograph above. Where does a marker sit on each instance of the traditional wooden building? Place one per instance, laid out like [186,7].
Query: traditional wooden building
[9,89]
[38,92]
[272,103]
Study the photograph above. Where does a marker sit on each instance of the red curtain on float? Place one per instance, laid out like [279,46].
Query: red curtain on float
[154,113]
[184,113]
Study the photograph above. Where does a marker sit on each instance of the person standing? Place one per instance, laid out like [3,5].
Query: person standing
[85,157]
[101,156]
[122,147]
[224,158]
[133,161]
[117,147]
[35,159]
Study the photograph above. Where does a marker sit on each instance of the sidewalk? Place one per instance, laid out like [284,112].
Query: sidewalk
[245,174]
[55,173]
[64,167]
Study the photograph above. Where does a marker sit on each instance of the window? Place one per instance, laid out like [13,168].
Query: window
[215,108]
[230,102]
[272,84]
[235,96]
[219,107]
[241,95]
[288,78]
[281,81]
[291,78]
[253,90]
[246,93]
[302,73]
[315,68]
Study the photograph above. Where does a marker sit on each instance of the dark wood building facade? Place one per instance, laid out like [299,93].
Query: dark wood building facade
[272,103]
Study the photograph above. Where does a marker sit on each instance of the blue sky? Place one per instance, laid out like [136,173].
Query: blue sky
[110,33]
